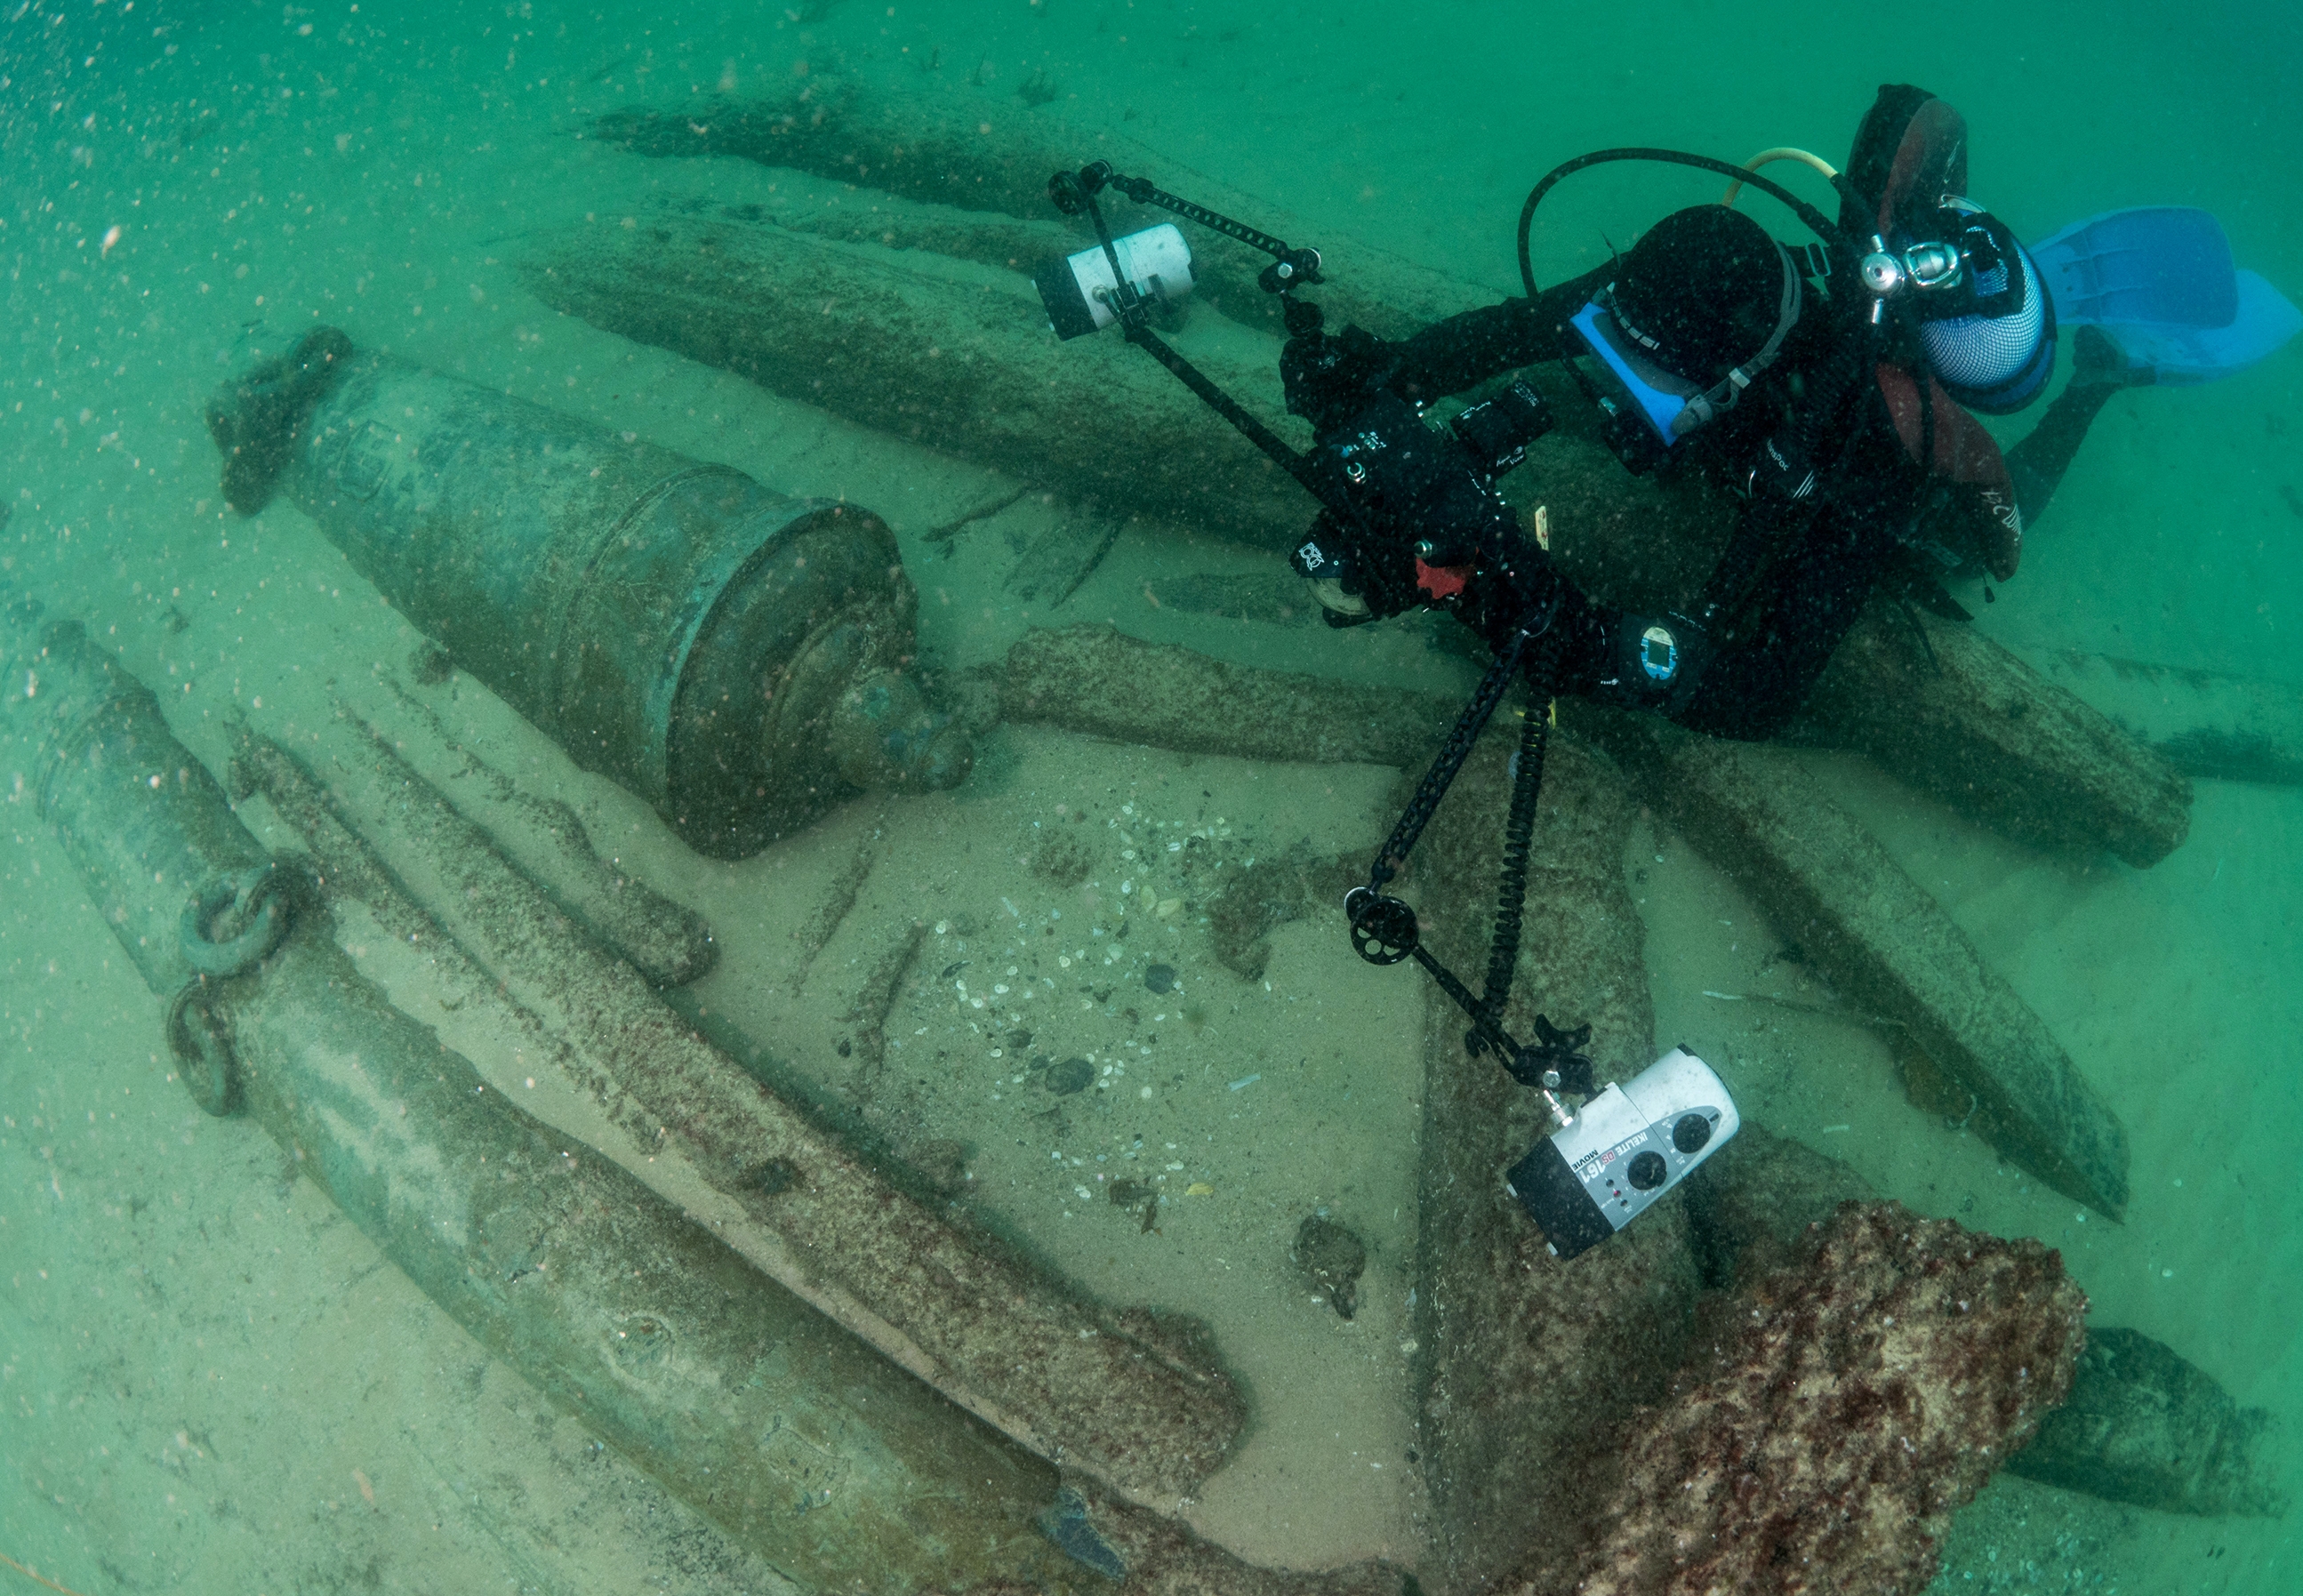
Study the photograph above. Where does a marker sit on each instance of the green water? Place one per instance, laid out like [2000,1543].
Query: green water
[210,1381]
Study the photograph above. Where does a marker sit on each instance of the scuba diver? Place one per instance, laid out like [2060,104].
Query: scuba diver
[1831,387]
[1714,348]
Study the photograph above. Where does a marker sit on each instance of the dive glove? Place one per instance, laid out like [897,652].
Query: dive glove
[1328,380]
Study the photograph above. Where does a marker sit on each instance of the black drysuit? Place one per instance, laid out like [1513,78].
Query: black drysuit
[1805,569]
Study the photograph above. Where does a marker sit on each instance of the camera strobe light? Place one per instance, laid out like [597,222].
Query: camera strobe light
[1629,1146]
[1078,289]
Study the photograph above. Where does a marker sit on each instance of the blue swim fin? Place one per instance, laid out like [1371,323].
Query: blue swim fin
[2160,283]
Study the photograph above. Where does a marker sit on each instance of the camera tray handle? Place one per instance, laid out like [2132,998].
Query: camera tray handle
[1384,929]
[1074,191]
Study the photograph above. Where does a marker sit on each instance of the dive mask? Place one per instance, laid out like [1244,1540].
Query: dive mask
[1649,406]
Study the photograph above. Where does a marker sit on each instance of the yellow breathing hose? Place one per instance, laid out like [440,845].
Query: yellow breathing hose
[1781,152]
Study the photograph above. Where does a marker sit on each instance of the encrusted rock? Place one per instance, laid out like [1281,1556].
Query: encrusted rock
[1854,1401]
[2143,1424]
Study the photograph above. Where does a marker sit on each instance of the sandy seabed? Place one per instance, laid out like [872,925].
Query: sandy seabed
[210,1381]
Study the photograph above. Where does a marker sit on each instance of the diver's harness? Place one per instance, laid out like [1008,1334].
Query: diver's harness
[1387,471]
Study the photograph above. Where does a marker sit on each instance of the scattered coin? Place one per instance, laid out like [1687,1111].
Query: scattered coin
[1331,1258]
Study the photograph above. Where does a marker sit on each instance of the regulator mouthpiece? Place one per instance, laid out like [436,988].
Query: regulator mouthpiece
[1082,295]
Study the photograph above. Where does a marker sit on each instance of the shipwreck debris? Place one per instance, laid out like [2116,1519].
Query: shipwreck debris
[936,351]
[732,655]
[1939,705]
[1521,1356]
[1104,683]
[1957,716]
[1749,807]
[795,1437]
[622,1308]
[2145,1426]
[666,941]
[1059,1373]
[960,151]
[1883,942]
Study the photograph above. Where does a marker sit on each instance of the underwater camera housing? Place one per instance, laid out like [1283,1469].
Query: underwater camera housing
[1401,498]
[1413,493]
[1629,1146]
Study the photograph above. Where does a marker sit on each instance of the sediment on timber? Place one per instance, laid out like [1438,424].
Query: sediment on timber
[1526,1364]
[1752,811]
[1955,715]
[1112,1393]
[1883,941]
[1934,702]
[1753,1202]
[666,941]
[1521,1356]
[1103,683]
[958,149]
[942,351]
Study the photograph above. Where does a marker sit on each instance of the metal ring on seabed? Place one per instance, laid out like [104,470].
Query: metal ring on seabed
[257,901]
[203,1053]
